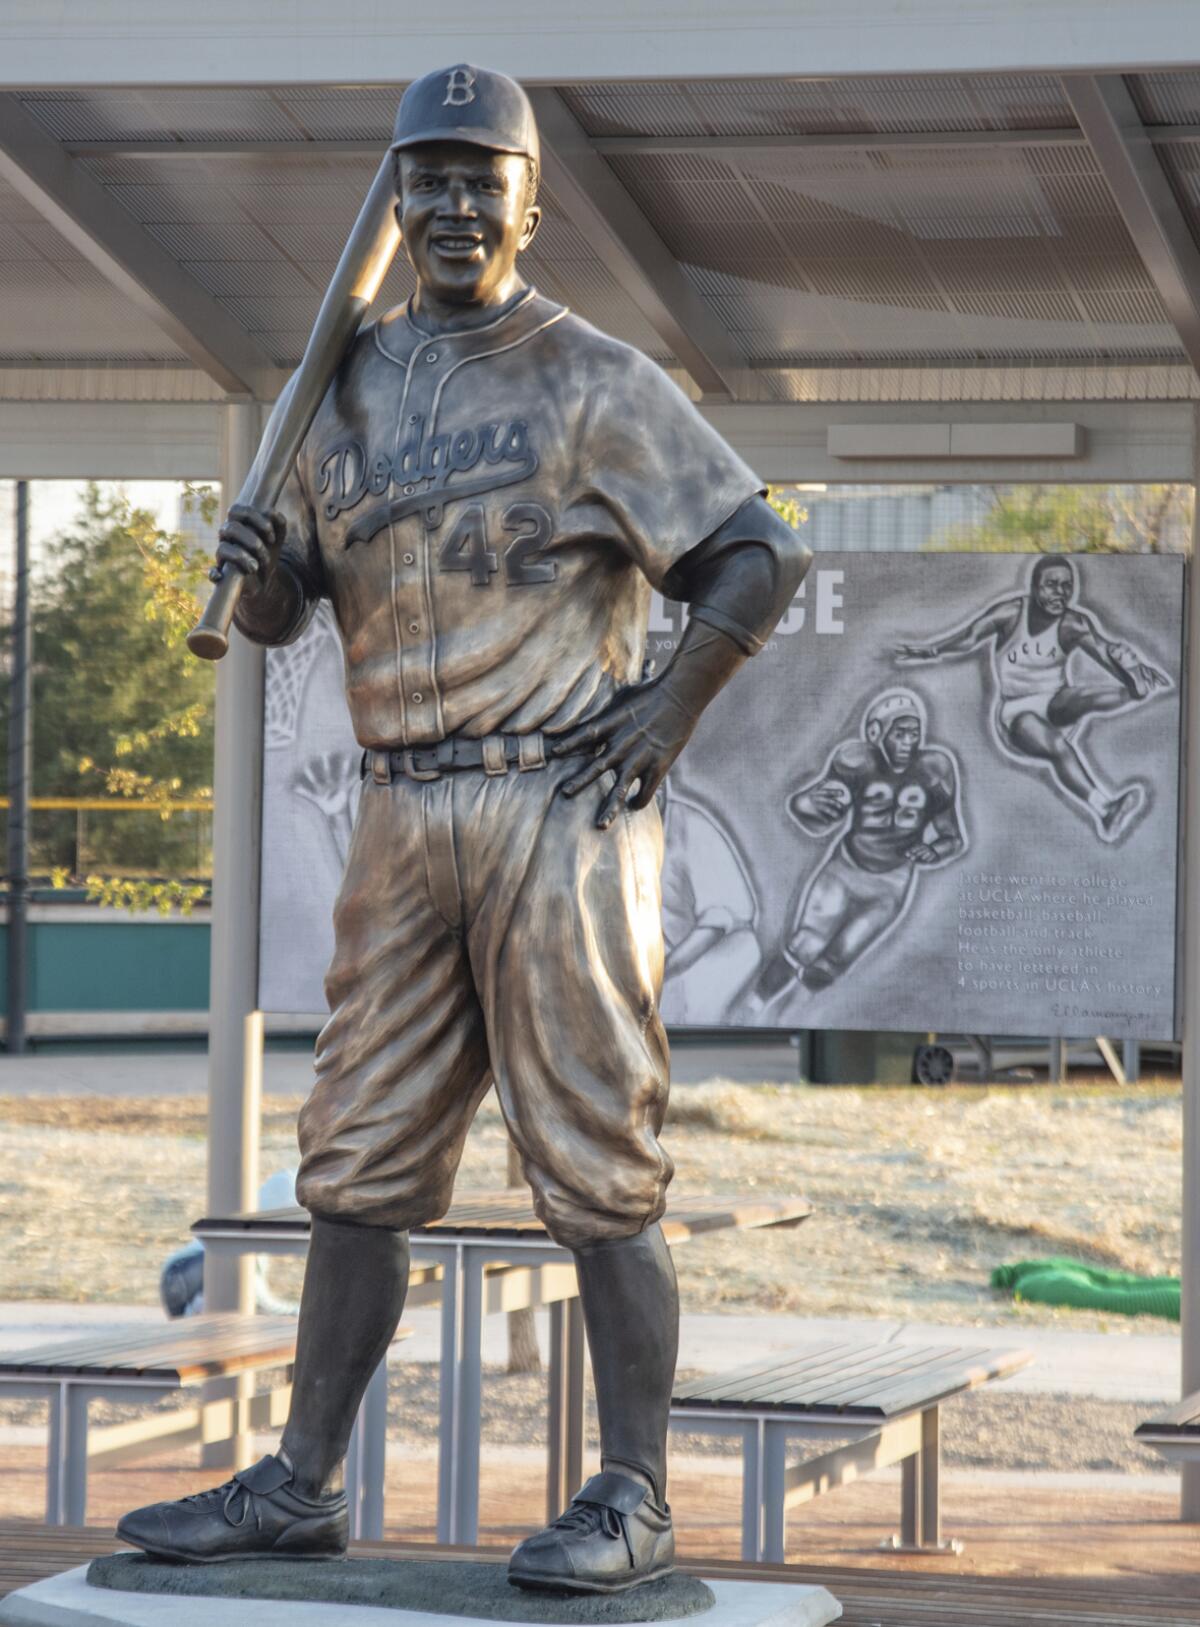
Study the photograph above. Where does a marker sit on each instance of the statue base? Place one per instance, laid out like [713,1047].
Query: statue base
[130,1590]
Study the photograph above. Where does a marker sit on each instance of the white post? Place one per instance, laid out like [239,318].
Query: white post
[1190,896]
[235,1033]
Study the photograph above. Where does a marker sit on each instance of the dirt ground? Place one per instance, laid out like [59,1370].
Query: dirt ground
[917,1194]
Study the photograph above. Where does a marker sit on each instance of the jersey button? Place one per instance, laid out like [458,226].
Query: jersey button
[414,626]
[410,559]
[417,697]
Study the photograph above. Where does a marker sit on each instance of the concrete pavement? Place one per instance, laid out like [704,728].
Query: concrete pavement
[178,1071]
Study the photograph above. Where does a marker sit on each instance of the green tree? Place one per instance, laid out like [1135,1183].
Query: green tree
[1080,520]
[120,707]
[785,503]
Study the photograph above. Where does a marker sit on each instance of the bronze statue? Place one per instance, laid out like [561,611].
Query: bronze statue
[487,494]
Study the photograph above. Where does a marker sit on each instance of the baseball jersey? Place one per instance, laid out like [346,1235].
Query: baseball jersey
[889,808]
[487,511]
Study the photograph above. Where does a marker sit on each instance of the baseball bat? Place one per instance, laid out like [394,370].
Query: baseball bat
[370,250]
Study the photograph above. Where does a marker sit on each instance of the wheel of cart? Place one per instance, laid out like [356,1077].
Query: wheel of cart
[933,1064]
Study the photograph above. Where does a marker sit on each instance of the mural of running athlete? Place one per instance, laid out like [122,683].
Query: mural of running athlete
[1040,706]
[895,802]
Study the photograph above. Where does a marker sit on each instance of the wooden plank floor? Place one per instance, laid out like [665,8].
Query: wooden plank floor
[883,1598]
[1049,1558]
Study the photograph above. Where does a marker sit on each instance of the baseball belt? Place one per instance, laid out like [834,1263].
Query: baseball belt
[494,754]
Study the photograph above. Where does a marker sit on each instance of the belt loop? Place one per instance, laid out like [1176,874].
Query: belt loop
[494,758]
[531,751]
[381,767]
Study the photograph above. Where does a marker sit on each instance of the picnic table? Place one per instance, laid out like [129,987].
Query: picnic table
[479,1233]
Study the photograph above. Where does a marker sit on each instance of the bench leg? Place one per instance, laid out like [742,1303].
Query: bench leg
[774,1493]
[352,1475]
[564,1467]
[931,1479]
[920,1494]
[76,1456]
[910,1501]
[461,1376]
[56,1465]
[373,1452]
[753,1456]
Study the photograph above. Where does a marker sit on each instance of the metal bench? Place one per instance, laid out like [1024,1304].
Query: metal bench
[880,1400]
[1174,1433]
[143,1364]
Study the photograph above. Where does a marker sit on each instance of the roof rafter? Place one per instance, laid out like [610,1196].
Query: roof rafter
[1160,135]
[615,227]
[77,206]
[1123,149]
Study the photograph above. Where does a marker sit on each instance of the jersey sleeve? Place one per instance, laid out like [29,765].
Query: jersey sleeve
[847,764]
[653,473]
[942,782]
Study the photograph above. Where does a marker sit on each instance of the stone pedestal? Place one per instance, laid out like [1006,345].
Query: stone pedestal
[136,1592]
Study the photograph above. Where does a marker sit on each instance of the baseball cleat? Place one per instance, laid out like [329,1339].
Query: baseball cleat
[612,1537]
[1121,812]
[817,977]
[256,1515]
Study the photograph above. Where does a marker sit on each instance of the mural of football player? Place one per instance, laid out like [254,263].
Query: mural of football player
[1041,707]
[709,913]
[893,799]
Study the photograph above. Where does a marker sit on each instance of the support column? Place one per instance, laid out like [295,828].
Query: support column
[20,775]
[1189,1508]
[235,1033]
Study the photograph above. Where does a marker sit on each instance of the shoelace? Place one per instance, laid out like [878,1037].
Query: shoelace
[228,1493]
[589,1517]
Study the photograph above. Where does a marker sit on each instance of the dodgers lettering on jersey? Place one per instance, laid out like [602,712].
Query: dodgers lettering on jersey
[890,809]
[488,510]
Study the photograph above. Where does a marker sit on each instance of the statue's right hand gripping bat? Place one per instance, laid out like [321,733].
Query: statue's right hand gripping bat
[369,252]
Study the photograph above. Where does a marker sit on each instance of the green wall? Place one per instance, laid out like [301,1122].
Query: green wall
[114,965]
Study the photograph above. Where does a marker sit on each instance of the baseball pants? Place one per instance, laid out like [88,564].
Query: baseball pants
[486,930]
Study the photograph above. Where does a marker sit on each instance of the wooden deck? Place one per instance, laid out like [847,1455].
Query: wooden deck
[1043,1557]
[875,1598]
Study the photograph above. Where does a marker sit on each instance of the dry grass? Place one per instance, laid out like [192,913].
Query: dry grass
[917,1194]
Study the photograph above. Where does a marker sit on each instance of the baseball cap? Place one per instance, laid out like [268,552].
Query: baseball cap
[465,103]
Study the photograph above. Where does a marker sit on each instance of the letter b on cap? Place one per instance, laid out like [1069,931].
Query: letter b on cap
[460,87]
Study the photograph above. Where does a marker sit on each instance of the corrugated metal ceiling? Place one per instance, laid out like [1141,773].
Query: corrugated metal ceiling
[805,256]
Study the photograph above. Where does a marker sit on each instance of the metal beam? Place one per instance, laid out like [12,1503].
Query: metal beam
[78,207]
[1122,148]
[1161,135]
[1188,984]
[625,241]
[91,43]
[238,147]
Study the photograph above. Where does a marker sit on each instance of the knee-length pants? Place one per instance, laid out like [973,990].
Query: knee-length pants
[486,930]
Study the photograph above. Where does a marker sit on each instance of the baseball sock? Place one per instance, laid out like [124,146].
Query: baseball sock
[354,1287]
[631,1312]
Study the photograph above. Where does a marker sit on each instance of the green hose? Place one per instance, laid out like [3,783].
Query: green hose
[1089,1287]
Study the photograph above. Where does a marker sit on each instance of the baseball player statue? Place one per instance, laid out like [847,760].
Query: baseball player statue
[487,495]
